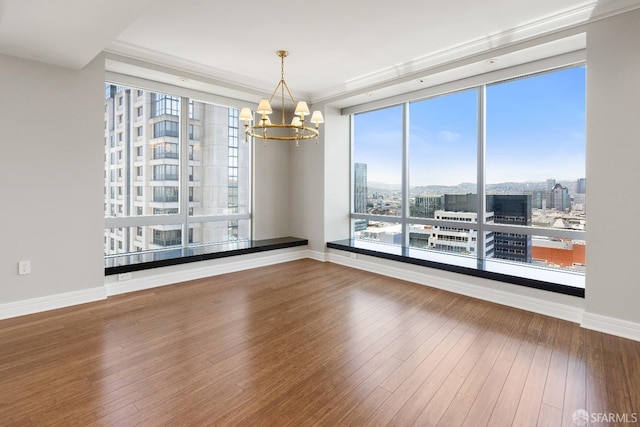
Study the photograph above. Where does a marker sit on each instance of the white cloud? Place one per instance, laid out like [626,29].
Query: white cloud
[448,136]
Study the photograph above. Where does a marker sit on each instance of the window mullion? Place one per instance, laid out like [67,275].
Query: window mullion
[481,249]
[184,169]
[352,177]
[404,211]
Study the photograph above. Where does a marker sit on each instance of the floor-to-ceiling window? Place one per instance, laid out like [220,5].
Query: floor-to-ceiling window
[493,173]
[175,173]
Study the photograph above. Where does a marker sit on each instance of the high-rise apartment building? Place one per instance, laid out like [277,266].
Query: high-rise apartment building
[461,202]
[539,199]
[513,209]
[559,198]
[145,162]
[425,206]
[360,188]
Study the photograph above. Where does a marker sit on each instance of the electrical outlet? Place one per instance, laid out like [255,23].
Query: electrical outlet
[24,267]
[124,276]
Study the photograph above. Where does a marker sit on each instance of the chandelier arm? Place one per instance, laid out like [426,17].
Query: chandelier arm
[284,84]
[275,91]
[293,101]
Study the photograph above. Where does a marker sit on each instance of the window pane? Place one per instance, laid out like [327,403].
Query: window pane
[378,231]
[442,154]
[535,164]
[219,231]
[566,254]
[378,162]
[143,238]
[219,163]
[144,169]
[536,143]
[141,152]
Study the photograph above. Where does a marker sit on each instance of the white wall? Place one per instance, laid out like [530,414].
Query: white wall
[271,190]
[51,175]
[337,204]
[319,196]
[613,167]
[306,188]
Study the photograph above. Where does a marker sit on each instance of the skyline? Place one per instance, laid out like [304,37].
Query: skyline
[535,130]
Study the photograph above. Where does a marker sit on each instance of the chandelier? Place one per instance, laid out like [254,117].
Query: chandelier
[295,130]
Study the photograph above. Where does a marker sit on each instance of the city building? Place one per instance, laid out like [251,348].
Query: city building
[142,169]
[581,187]
[560,253]
[461,202]
[559,198]
[425,206]
[513,210]
[551,183]
[360,188]
[457,239]
[539,199]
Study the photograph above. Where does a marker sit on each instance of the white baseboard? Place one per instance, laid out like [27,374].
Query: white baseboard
[612,326]
[216,267]
[222,266]
[570,313]
[547,308]
[316,255]
[51,302]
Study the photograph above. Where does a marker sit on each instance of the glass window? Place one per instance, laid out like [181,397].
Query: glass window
[535,163]
[143,238]
[166,128]
[165,194]
[377,172]
[219,165]
[532,164]
[443,155]
[164,105]
[218,169]
[166,150]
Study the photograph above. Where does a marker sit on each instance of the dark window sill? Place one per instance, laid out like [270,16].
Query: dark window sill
[567,283]
[116,264]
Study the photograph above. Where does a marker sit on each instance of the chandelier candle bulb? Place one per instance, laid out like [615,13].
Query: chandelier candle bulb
[247,116]
[302,109]
[264,107]
[316,118]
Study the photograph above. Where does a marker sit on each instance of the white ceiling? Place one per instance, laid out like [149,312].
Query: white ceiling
[338,48]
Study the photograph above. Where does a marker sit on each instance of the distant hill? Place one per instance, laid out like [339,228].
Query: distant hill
[468,187]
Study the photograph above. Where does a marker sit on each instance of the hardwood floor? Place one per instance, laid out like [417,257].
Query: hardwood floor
[309,343]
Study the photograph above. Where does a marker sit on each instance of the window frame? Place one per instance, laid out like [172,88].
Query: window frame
[481,227]
[183,217]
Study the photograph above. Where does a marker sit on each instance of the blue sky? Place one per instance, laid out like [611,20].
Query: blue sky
[535,130]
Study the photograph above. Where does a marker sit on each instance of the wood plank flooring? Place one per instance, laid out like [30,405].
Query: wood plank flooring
[309,343]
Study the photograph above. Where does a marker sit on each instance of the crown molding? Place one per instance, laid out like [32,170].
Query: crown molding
[487,45]
[128,54]
[480,49]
